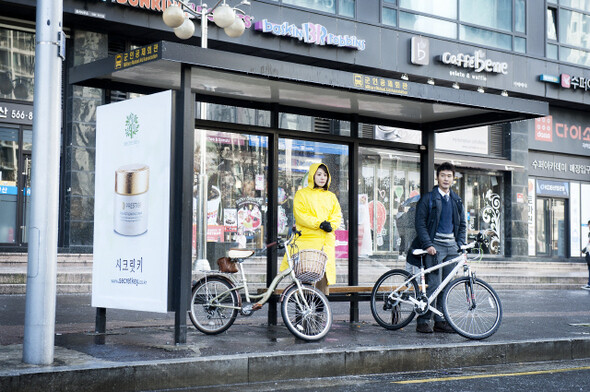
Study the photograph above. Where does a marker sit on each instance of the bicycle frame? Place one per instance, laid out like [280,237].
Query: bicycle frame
[461,260]
[262,298]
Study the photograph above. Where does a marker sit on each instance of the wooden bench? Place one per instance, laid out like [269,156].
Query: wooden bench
[344,293]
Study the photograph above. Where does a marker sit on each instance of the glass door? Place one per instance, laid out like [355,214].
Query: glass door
[551,227]
[8,184]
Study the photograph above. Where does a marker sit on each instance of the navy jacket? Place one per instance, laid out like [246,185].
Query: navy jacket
[427,218]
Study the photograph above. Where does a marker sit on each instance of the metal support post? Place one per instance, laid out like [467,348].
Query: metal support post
[427,161]
[181,238]
[39,333]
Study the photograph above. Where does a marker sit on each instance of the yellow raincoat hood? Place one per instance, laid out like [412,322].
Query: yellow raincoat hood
[312,170]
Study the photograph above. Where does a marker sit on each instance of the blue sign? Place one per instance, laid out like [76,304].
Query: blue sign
[553,188]
[8,190]
[549,78]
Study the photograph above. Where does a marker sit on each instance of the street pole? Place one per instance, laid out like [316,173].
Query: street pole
[202,261]
[39,334]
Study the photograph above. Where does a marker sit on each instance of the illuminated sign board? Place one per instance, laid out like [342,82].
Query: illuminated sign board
[477,62]
[380,85]
[310,33]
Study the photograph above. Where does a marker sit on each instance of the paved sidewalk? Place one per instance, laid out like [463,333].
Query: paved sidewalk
[138,353]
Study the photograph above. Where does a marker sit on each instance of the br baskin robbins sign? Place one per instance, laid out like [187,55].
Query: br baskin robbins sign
[310,33]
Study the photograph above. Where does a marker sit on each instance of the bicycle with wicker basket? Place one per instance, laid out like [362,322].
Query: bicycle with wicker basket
[216,298]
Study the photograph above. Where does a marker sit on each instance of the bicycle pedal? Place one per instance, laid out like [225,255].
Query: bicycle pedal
[256,306]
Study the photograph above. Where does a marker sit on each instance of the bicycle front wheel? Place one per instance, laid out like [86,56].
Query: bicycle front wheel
[214,305]
[307,315]
[472,308]
[390,299]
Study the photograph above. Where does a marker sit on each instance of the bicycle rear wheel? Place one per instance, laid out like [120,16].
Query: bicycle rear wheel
[386,305]
[472,308]
[308,316]
[213,306]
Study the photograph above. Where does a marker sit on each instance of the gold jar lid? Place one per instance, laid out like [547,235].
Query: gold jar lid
[132,179]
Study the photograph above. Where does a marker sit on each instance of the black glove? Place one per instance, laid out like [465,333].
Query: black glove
[325,226]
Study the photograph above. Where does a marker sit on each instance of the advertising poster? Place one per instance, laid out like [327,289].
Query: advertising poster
[531,217]
[132,203]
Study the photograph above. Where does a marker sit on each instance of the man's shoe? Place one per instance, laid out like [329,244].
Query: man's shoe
[424,328]
[587,287]
[443,326]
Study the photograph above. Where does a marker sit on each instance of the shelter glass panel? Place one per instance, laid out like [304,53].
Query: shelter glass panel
[389,188]
[236,170]
[295,158]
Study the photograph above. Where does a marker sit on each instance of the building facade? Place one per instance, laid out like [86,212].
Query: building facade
[463,73]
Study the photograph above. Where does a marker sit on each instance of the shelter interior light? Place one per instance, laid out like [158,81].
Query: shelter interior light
[456,86]
[405,77]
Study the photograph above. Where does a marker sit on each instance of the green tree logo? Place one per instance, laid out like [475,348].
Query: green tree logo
[131,125]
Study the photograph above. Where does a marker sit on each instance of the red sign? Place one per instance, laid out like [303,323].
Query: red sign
[544,129]
[565,80]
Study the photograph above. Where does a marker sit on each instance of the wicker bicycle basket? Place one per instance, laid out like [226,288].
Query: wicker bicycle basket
[310,265]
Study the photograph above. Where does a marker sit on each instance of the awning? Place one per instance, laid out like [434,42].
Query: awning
[239,77]
[477,162]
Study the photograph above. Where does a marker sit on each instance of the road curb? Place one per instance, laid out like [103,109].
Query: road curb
[235,369]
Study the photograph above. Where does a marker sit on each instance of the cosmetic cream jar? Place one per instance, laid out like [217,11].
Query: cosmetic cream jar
[131,199]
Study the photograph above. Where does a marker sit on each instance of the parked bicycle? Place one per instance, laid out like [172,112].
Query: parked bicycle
[216,297]
[470,305]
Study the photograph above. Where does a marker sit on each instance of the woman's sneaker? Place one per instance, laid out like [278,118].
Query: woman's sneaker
[587,287]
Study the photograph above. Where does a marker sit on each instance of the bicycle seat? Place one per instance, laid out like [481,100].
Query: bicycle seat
[236,253]
[419,252]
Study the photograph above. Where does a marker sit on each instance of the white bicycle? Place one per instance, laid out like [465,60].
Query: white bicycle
[470,305]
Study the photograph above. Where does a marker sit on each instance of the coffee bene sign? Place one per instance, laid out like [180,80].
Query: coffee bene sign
[477,62]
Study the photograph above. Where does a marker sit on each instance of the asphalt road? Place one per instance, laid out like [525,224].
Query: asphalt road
[539,376]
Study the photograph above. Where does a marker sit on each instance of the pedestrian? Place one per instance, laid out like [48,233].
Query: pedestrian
[317,215]
[587,251]
[440,230]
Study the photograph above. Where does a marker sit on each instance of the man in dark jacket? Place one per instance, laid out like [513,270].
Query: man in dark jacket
[440,230]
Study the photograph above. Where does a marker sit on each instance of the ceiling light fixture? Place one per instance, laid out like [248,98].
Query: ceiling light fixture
[480,90]
[456,86]
[405,77]
[504,93]
[430,81]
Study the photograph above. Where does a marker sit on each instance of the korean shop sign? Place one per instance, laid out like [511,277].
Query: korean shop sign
[567,81]
[138,56]
[565,131]
[16,113]
[476,62]
[310,33]
[380,85]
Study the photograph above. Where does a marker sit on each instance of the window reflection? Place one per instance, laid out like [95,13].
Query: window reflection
[8,183]
[427,25]
[552,51]
[519,16]
[442,8]
[346,8]
[485,37]
[583,5]
[551,23]
[574,56]
[495,14]
[389,17]
[519,45]
[574,28]
[17,64]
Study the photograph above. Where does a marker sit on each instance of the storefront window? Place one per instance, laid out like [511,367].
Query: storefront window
[17,64]
[236,168]
[295,158]
[8,184]
[482,198]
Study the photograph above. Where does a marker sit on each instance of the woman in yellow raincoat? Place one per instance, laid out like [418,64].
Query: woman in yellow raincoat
[317,215]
